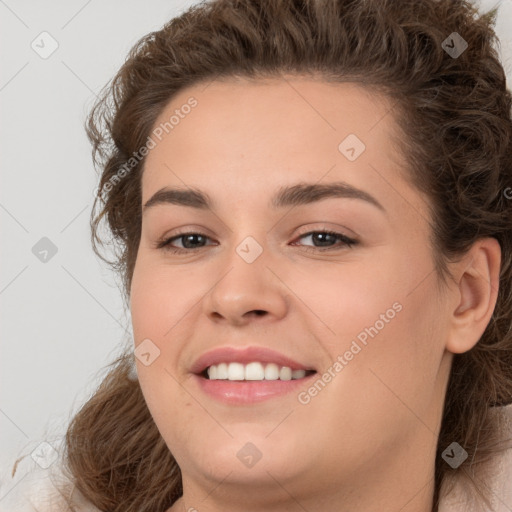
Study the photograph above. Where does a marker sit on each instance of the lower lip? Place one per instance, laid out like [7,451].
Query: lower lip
[242,392]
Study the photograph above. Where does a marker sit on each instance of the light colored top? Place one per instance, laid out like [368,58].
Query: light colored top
[33,488]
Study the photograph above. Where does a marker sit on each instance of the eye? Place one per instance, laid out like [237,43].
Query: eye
[326,238]
[189,241]
[193,241]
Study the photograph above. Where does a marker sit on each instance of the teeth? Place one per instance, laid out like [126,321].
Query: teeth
[222,371]
[285,373]
[253,371]
[271,372]
[235,371]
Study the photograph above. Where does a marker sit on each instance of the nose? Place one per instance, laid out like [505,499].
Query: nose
[246,292]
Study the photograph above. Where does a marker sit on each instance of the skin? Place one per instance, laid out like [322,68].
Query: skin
[367,440]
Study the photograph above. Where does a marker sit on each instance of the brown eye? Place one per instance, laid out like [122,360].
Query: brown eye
[322,241]
[326,240]
[188,241]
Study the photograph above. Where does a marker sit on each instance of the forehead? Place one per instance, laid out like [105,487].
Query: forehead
[250,133]
[232,110]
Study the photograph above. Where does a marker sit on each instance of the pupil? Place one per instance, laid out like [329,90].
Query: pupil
[188,238]
[320,235]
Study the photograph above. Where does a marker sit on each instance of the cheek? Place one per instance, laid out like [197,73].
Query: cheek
[162,302]
[391,357]
[386,389]
[159,297]
[341,300]
[384,320]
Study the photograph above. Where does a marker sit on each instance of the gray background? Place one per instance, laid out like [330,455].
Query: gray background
[62,320]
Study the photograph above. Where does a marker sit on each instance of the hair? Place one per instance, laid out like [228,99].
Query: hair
[454,116]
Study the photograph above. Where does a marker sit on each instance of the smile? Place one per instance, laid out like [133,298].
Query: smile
[254,371]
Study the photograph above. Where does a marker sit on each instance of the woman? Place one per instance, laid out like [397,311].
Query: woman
[313,209]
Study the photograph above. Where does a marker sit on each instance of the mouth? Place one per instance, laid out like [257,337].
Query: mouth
[238,376]
[253,371]
[237,391]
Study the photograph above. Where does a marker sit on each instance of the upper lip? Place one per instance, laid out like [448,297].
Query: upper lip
[244,355]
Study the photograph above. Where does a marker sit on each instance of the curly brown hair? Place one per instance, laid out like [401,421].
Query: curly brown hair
[455,118]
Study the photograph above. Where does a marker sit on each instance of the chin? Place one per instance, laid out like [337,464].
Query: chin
[247,456]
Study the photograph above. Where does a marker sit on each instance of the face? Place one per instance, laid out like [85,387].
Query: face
[336,281]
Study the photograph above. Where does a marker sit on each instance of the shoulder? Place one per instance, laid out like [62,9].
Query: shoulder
[29,485]
[498,481]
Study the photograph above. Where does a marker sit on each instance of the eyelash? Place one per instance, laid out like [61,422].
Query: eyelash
[164,243]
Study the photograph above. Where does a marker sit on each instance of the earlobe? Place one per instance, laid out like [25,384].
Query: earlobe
[477,291]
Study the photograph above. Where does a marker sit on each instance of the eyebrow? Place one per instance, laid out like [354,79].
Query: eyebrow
[295,195]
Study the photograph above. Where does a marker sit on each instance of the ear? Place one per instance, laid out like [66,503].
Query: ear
[477,277]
